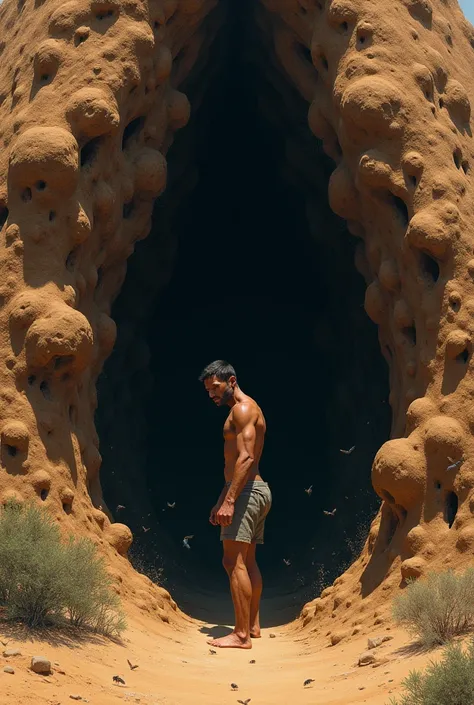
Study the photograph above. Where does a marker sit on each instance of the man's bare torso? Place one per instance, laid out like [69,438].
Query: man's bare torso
[230,441]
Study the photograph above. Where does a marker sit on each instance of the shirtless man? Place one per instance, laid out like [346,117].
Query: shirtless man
[244,502]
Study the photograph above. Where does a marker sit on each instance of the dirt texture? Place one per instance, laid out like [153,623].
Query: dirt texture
[89,103]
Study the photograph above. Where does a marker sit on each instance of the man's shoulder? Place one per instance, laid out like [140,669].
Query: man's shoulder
[245,409]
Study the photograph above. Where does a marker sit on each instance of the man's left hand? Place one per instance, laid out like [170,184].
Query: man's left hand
[225,514]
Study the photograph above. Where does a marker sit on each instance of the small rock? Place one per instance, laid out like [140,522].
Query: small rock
[40,664]
[376,641]
[337,637]
[11,652]
[362,687]
[366,658]
[272,636]
[9,669]
[356,630]
[76,697]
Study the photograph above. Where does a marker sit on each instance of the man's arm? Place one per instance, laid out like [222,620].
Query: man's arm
[221,496]
[244,419]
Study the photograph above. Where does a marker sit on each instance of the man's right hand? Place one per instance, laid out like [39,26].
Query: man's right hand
[212,517]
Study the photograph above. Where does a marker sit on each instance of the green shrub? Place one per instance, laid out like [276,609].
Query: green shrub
[438,607]
[450,682]
[44,581]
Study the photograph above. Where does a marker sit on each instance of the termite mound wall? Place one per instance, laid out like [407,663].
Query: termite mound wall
[89,104]
[390,98]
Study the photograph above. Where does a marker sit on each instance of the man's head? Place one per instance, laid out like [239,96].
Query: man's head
[220,381]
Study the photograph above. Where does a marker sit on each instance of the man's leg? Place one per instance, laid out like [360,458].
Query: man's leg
[257,585]
[235,554]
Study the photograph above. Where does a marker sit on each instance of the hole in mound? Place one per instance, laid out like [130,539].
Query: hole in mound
[465,166]
[451,504]
[128,209]
[72,259]
[410,334]
[3,216]
[455,304]
[388,525]
[31,380]
[11,450]
[388,497]
[63,361]
[44,494]
[51,216]
[343,27]
[401,514]
[67,507]
[463,356]
[104,14]
[26,195]
[80,39]
[40,185]
[429,267]
[132,130]
[45,390]
[305,53]
[437,485]
[457,156]
[89,151]
[441,103]
[401,209]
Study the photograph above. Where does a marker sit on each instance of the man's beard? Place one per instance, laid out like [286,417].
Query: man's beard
[226,396]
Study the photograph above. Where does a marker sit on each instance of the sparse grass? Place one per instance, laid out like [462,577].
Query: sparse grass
[44,581]
[438,607]
[449,682]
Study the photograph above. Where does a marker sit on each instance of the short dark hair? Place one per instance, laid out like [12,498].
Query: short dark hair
[220,368]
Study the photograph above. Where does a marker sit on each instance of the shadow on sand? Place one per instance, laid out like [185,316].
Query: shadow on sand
[57,635]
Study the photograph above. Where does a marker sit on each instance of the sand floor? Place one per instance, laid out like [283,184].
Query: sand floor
[175,667]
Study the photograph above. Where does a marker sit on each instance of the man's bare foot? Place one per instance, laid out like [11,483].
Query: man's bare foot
[231,641]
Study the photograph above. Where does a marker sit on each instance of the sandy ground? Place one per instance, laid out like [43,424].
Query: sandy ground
[175,667]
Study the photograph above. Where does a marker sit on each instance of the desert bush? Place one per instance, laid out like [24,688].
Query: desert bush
[449,682]
[90,600]
[45,581]
[438,607]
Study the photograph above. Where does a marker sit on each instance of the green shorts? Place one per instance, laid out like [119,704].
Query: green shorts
[250,511]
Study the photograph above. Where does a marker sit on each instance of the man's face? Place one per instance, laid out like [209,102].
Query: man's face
[220,392]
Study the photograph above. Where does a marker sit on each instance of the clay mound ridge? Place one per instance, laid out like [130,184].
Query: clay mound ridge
[89,103]
[391,101]
[88,108]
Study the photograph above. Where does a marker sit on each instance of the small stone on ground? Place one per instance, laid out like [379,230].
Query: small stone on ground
[40,664]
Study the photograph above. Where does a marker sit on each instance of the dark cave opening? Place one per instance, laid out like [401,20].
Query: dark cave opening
[245,263]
